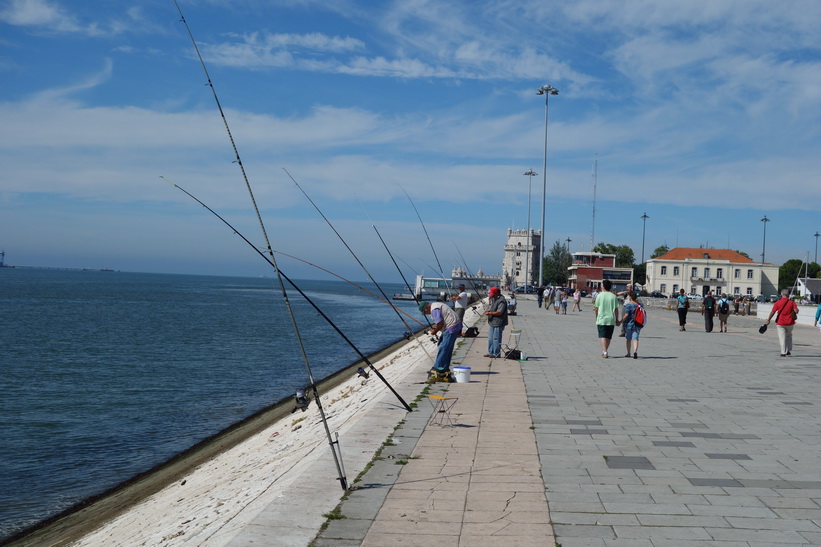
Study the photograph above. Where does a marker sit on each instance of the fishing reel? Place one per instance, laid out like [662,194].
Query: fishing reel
[407,335]
[363,373]
[303,400]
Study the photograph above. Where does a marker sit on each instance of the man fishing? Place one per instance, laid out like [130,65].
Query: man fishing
[497,319]
[447,322]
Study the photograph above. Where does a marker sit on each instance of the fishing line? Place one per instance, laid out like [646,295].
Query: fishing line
[335,449]
[441,271]
[403,312]
[471,278]
[294,285]
[409,332]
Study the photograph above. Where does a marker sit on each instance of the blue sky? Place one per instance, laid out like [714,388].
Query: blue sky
[702,114]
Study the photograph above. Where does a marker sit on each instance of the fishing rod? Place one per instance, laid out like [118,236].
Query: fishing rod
[305,296]
[409,332]
[385,245]
[335,448]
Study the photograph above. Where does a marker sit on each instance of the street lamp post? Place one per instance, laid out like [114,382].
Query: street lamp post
[765,220]
[547,91]
[530,173]
[816,246]
[568,244]
[644,218]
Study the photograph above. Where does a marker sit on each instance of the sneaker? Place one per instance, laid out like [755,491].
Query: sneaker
[788,353]
[604,355]
[635,355]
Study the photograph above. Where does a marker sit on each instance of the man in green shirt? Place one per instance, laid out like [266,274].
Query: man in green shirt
[606,311]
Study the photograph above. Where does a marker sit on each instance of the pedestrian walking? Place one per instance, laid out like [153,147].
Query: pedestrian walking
[708,310]
[540,295]
[736,303]
[632,328]
[577,300]
[787,312]
[817,316]
[557,300]
[606,312]
[564,302]
[683,306]
[723,312]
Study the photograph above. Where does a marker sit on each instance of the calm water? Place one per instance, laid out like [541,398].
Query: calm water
[105,374]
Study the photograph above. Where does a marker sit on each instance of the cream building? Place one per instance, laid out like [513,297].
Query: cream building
[520,264]
[698,271]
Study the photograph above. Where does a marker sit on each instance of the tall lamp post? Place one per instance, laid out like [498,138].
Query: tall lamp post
[816,246]
[547,91]
[765,220]
[530,173]
[644,218]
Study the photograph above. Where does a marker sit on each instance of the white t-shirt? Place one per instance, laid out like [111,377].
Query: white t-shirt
[462,302]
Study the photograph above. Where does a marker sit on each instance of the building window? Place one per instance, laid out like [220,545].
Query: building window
[693,290]
[736,291]
[737,273]
[675,288]
[720,273]
[664,270]
[749,290]
[694,272]
[676,270]
[663,288]
[706,273]
[749,275]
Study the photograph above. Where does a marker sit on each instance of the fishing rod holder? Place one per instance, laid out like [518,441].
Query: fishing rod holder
[303,400]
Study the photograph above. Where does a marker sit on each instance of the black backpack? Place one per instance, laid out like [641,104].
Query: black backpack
[724,307]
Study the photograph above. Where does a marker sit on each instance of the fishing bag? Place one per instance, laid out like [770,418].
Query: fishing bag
[471,332]
[513,354]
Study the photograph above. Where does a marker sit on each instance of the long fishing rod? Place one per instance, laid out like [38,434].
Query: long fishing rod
[305,296]
[335,449]
[398,269]
[409,332]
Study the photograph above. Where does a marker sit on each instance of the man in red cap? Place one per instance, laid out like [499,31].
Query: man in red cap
[497,320]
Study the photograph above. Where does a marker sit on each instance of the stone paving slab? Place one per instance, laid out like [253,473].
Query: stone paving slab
[700,441]
[707,439]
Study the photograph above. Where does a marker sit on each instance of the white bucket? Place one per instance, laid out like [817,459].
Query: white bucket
[461,375]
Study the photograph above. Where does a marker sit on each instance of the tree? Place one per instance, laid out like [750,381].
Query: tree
[624,254]
[742,253]
[556,263]
[660,251]
[640,273]
[789,272]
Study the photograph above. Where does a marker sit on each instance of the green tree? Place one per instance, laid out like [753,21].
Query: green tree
[624,254]
[660,251]
[556,263]
[742,253]
[640,273]
[789,272]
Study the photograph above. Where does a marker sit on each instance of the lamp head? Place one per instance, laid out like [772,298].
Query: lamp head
[549,89]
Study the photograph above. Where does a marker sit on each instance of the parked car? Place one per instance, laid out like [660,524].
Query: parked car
[525,289]
[695,297]
[658,294]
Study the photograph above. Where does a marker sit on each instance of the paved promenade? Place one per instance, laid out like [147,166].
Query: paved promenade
[704,440]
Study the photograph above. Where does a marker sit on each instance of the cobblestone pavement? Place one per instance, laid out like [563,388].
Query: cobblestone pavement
[706,439]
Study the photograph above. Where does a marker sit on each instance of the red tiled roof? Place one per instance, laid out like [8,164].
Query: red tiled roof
[680,253]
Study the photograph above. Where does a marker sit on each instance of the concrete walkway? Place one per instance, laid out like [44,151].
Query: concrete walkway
[707,439]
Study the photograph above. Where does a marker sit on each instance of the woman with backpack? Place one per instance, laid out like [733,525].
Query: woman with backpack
[723,312]
[633,322]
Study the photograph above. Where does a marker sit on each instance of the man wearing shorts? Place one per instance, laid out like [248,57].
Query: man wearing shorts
[606,312]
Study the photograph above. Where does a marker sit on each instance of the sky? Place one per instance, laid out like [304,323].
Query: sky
[703,115]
